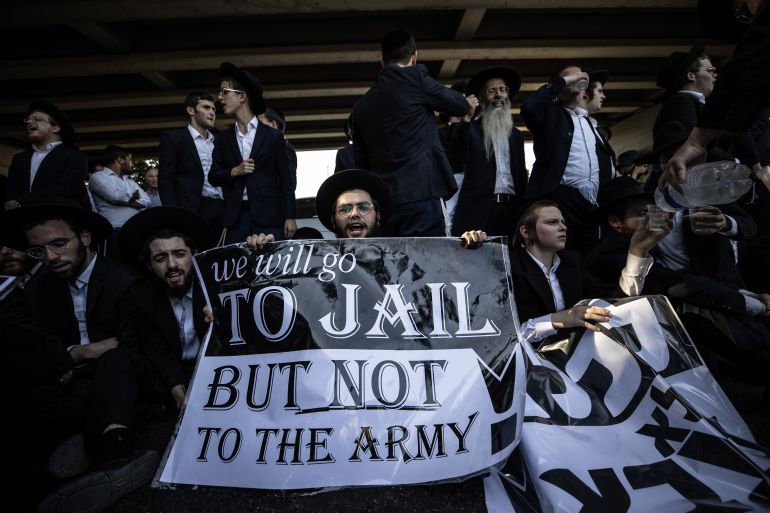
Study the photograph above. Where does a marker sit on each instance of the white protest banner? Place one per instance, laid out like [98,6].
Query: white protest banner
[629,420]
[351,362]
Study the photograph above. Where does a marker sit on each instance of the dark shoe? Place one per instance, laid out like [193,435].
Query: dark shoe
[115,444]
[70,458]
[96,491]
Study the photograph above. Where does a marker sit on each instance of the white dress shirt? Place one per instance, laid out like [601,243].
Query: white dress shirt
[205,147]
[582,169]
[37,158]
[631,283]
[503,178]
[245,142]
[112,194]
[79,293]
[183,311]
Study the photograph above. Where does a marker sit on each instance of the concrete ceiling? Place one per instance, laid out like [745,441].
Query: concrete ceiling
[120,69]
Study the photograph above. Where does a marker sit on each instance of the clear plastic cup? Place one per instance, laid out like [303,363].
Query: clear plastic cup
[657,218]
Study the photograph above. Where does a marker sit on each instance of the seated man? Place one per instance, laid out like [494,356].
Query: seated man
[353,204]
[168,310]
[695,267]
[80,298]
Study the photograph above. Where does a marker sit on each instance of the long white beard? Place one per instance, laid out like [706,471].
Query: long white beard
[497,125]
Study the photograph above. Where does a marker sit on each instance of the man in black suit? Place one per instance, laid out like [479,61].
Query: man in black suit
[345,158]
[395,136]
[688,78]
[168,310]
[81,298]
[250,164]
[567,166]
[492,151]
[52,166]
[185,162]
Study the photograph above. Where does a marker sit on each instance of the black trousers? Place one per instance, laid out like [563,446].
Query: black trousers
[245,226]
[212,210]
[582,227]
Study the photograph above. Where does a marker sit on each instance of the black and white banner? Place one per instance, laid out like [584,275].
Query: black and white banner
[629,420]
[352,362]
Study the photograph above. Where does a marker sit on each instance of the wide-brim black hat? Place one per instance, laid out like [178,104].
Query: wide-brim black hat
[249,82]
[617,190]
[142,225]
[42,206]
[668,138]
[66,130]
[673,70]
[510,76]
[628,158]
[598,75]
[332,187]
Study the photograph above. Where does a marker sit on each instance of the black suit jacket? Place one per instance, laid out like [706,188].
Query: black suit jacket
[395,133]
[180,172]
[475,202]
[270,187]
[106,302]
[532,291]
[682,107]
[551,126]
[62,172]
[157,331]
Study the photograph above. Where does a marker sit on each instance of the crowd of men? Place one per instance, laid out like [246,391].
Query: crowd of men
[106,312]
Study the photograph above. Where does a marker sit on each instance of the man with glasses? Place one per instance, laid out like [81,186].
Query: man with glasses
[52,166]
[250,163]
[688,78]
[395,136]
[493,150]
[81,298]
[185,158]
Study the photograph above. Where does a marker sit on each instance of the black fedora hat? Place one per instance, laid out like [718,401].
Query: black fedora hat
[598,75]
[142,225]
[669,137]
[672,72]
[66,131]
[41,206]
[332,187]
[617,190]
[249,82]
[510,76]
[628,158]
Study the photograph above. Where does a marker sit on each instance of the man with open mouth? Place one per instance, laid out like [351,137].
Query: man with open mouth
[53,165]
[495,174]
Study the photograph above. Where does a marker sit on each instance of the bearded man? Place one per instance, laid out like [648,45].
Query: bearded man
[167,311]
[493,151]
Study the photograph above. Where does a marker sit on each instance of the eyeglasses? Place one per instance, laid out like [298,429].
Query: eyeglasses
[37,119]
[500,89]
[711,69]
[56,247]
[347,208]
[226,90]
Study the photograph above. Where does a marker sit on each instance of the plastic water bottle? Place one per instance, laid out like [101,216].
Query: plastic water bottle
[712,183]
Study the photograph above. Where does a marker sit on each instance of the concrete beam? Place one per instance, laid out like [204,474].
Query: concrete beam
[54,12]
[161,80]
[102,36]
[134,99]
[341,54]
